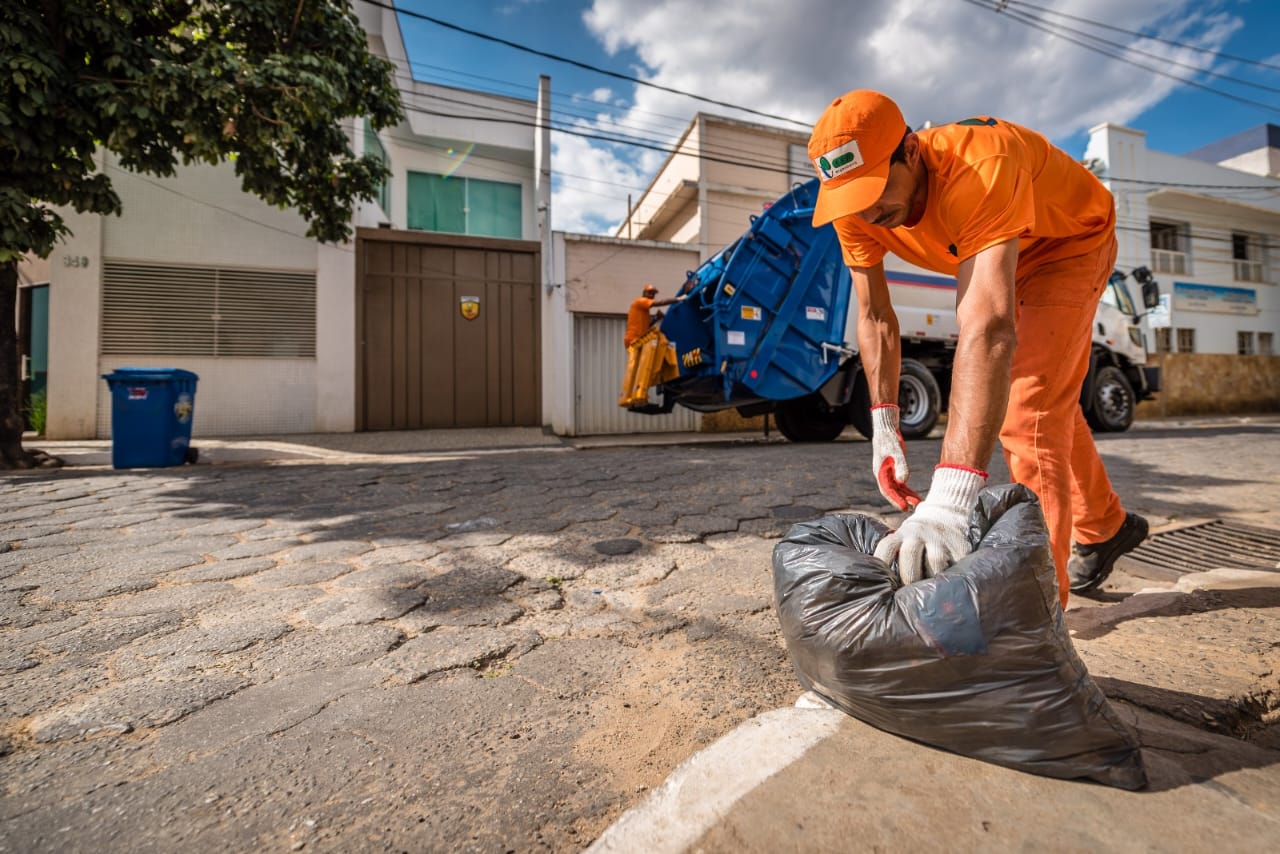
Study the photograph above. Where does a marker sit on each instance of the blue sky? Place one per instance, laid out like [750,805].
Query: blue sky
[941,59]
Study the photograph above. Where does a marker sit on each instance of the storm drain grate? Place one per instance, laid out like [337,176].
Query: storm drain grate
[1211,545]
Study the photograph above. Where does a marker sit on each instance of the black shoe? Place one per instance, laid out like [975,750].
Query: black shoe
[1090,565]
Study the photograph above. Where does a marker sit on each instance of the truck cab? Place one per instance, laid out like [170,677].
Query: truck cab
[1119,376]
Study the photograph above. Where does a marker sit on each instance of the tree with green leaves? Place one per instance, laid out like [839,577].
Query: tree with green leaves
[264,83]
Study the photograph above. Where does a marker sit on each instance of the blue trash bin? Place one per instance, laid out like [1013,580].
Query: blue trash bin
[151,413]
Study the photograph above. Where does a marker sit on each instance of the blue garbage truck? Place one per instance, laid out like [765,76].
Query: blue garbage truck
[765,327]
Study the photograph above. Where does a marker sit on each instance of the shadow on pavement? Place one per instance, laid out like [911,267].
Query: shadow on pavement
[1092,623]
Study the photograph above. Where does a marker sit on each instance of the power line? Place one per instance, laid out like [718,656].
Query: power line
[1139,34]
[1131,49]
[583,65]
[997,7]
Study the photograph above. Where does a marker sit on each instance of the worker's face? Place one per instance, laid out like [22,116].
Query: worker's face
[905,193]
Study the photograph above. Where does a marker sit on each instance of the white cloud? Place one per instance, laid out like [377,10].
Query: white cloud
[941,61]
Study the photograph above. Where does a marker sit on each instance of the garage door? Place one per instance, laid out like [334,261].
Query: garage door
[449,332]
[599,363]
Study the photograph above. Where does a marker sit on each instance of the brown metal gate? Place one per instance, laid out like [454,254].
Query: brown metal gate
[449,331]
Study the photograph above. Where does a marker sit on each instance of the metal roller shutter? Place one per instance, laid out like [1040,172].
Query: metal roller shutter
[599,363]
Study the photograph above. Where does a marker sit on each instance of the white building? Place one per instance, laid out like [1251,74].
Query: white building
[289,335]
[1208,225]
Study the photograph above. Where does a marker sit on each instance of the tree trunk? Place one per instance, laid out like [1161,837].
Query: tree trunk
[12,454]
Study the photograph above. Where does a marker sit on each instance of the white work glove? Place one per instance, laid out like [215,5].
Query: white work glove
[936,534]
[889,457]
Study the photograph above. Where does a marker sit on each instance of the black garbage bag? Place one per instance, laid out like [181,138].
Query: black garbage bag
[976,660]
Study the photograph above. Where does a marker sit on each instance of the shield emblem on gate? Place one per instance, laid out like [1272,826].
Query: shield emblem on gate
[470,307]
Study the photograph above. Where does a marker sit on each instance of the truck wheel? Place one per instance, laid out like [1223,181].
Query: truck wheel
[1110,408]
[919,400]
[809,419]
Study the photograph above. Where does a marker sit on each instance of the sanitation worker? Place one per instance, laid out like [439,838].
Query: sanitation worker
[638,320]
[1029,235]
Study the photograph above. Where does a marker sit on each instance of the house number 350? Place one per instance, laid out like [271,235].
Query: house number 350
[75,261]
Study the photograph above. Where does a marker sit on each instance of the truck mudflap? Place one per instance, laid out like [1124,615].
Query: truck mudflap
[1151,375]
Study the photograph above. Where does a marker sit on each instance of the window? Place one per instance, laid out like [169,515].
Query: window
[1246,256]
[1164,343]
[464,205]
[1186,340]
[1169,246]
[1244,343]
[164,310]
[1265,347]
[374,148]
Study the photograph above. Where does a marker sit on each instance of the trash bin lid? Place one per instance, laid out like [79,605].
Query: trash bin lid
[149,375]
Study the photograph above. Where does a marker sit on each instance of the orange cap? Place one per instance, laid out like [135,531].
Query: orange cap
[850,147]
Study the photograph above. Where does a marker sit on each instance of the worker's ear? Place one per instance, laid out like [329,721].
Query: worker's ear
[911,149]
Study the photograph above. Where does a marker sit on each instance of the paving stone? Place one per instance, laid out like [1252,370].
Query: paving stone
[394,575]
[315,649]
[701,525]
[222,570]
[48,685]
[185,598]
[226,526]
[326,551]
[447,650]
[357,607]
[101,521]
[29,555]
[221,637]
[547,565]
[298,575]
[631,571]
[473,611]
[617,547]
[266,709]
[408,553]
[105,634]
[475,539]
[126,706]
[470,582]
[256,548]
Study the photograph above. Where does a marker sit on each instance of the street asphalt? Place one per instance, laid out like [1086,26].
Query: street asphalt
[509,641]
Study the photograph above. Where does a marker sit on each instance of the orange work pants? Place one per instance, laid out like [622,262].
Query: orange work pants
[1047,443]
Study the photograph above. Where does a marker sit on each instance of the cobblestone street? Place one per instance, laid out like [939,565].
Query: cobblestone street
[472,651]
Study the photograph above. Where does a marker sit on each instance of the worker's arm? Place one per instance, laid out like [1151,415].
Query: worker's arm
[936,535]
[659,302]
[879,342]
[880,350]
[980,374]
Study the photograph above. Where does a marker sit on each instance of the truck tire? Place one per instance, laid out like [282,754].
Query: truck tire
[809,419]
[919,402]
[1110,406]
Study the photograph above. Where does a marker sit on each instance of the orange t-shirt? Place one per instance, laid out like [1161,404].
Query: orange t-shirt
[637,319]
[990,180]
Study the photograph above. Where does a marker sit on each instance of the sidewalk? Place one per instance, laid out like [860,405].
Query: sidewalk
[429,444]
[1191,664]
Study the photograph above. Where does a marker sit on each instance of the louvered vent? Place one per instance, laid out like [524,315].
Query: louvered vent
[164,310]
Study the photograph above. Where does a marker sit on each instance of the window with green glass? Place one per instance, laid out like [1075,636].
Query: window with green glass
[464,205]
[374,148]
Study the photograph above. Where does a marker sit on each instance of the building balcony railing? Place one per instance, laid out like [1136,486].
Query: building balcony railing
[1168,261]
[1248,271]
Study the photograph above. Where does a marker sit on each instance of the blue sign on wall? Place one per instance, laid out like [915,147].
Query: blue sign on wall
[1218,299]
